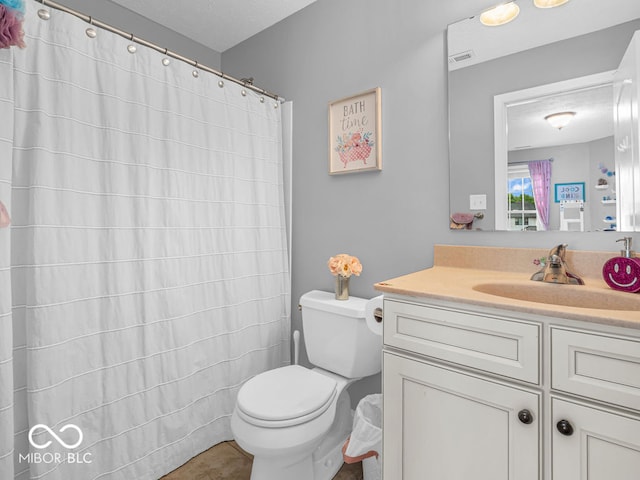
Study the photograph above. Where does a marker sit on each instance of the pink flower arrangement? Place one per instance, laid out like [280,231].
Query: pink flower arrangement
[344,265]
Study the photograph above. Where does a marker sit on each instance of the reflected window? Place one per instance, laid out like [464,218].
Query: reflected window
[521,206]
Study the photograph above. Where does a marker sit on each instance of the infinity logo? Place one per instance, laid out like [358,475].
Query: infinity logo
[58,439]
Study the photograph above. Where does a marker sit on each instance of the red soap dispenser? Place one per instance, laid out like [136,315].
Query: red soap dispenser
[623,272]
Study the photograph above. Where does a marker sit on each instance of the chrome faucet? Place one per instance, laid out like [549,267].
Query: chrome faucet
[555,270]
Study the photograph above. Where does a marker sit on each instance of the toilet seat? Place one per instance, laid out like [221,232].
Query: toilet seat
[285,397]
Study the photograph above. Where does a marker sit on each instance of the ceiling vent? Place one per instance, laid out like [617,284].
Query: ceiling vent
[461,57]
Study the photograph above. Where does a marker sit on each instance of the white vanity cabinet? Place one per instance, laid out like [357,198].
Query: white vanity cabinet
[591,441]
[478,393]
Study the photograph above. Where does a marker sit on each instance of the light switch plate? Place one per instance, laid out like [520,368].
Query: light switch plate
[477,202]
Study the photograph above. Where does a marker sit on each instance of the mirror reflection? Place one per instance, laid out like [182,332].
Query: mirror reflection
[502,146]
[568,130]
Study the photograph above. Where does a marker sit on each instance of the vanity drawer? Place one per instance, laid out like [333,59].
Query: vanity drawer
[596,366]
[490,343]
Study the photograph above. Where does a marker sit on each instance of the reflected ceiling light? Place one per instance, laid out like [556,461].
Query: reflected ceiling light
[560,120]
[549,3]
[500,14]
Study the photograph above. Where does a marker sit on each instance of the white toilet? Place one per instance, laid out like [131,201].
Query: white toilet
[294,420]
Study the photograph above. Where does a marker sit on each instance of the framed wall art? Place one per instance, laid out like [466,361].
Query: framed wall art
[355,132]
[569,192]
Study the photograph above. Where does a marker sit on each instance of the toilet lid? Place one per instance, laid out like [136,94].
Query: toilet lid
[286,394]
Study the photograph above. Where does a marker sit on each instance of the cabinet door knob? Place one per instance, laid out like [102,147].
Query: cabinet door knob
[525,416]
[564,427]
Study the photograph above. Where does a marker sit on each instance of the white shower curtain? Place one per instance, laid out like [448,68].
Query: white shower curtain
[145,276]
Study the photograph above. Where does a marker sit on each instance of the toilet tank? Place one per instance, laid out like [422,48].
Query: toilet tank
[336,336]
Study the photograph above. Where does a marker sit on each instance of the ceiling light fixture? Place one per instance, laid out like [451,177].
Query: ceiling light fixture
[549,3]
[560,120]
[500,14]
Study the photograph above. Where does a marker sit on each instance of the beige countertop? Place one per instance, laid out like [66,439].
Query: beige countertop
[460,272]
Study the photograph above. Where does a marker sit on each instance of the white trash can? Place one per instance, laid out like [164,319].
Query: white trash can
[365,442]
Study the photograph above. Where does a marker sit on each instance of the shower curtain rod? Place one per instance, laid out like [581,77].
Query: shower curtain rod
[247,83]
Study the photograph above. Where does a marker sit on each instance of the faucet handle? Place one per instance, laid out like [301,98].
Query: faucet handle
[559,251]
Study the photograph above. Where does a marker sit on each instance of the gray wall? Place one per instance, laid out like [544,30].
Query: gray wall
[130,22]
[390,219]
[472,90]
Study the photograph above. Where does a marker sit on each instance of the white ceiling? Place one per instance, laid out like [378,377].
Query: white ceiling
[217,24]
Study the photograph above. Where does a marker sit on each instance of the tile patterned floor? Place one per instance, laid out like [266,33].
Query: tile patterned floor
[227,461]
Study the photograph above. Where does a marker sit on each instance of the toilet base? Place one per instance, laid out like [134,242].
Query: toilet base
[268,469]
[322,464]
[327,458]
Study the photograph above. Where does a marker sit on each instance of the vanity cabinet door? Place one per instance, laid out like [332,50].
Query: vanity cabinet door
[594,444]
[441,423]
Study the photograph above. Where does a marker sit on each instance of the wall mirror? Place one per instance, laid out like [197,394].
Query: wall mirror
[503,81]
